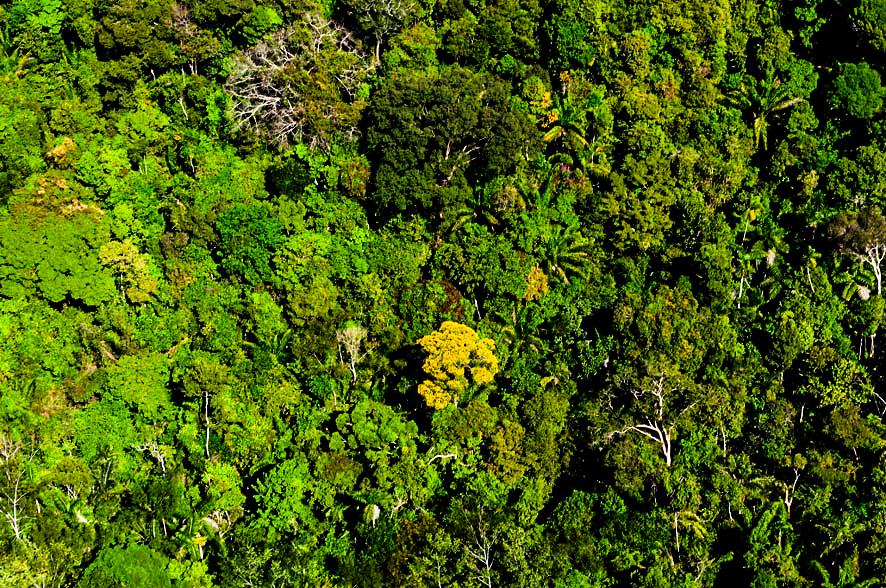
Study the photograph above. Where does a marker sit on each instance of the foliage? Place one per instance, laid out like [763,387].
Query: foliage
[871,15]
[457,358]
[629,254]
[136,564]
[857,90]
[434,133]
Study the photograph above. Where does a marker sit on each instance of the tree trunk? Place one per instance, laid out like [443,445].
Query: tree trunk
[206,418]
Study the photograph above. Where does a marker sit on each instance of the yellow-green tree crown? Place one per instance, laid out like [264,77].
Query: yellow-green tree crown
[457,358]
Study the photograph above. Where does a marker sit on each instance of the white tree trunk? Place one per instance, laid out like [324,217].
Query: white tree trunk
[206,418]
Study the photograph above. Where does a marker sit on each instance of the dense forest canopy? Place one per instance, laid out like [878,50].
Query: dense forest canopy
[568,293]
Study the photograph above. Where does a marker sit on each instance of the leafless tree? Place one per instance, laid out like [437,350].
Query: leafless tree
[351,339]
[381,18]
[480,547]
[206,417]
[181,22]
[655,424]
[155,451]
[863,236]
[220,522]
[14,460]
[300,84]
[655,428]
[790,490]
[191,44]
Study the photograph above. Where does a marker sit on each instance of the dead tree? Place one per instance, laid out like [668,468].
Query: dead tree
[653,423]
[351,338]
[790,490]
[15,461]
[300,84]
[480,546]
[155,451]
[655,429]
[206,418]
[863,236]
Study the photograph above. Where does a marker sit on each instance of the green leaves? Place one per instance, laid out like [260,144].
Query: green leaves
[845,385]
[20,140]
[133,565]
[105,430]
[779,89]
[141,382]
[208,358]
[857,90]
[57,260]
[871,15]
[285,500]
[579,32]
[124,258]
[433,132]
[249,240]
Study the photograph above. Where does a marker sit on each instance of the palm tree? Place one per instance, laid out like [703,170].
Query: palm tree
[559,167]
[565,251]
[12,63]
[278,346]
[582,133]
[569,124]
[454,218]
[764,97]
[517,333]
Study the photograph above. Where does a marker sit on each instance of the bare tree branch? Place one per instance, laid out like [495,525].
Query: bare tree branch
[300,84]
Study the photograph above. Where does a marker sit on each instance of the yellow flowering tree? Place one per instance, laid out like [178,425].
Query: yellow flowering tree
[457,358]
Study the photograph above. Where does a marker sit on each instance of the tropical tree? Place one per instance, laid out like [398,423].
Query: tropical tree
[457,358]
[566,252]
[302,84]
[862,235]
[857,90]
[771,93]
